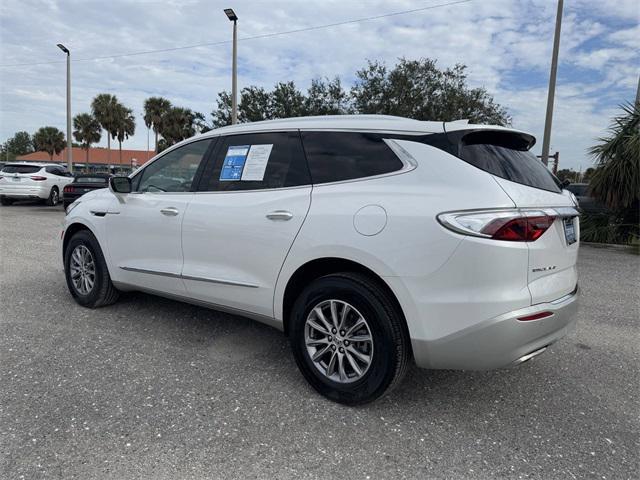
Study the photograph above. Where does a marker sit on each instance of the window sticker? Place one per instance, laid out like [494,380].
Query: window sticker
[234,163]
[256,162]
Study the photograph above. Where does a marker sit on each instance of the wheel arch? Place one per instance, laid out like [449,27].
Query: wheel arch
[321,267]
[70,231]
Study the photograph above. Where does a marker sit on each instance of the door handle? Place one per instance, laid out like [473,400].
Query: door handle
[169,211]
[280,215]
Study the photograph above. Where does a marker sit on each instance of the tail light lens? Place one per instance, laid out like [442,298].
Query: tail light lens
[38,178]
[523,229]
[512,225]
[68,189]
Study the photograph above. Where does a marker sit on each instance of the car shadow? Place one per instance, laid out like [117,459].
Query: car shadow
[42,207]
[241,339]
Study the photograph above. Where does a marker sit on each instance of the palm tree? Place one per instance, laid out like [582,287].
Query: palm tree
[177,124]
[50,140]
[155,108]
[86,131]
[125,126]
[104,108]
[617,178]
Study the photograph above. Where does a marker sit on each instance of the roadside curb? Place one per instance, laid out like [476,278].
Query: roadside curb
[609,245]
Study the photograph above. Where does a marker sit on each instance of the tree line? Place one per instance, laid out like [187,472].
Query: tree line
[415,89]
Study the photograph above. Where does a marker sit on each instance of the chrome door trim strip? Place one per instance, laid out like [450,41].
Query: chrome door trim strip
[190,277]
[219,280]
[151,272]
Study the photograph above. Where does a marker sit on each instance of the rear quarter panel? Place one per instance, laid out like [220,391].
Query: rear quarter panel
[412,244]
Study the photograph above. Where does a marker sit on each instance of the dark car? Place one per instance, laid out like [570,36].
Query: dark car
[588,203]
[82,184]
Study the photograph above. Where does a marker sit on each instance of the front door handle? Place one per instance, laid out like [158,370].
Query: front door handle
[169,211]
[280,215]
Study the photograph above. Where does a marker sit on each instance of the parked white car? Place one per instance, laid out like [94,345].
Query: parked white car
[27,180]
[369,240]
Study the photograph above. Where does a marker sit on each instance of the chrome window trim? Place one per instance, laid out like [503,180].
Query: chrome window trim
[409,163]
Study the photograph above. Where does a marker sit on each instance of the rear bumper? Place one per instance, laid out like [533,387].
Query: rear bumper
[500,341]
[24,192]
[71,197]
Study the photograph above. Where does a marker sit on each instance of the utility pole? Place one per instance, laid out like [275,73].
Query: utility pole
[69,144]
[234,74]
[552,86]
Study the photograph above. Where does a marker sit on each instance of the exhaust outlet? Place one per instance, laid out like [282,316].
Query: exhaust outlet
[529,356]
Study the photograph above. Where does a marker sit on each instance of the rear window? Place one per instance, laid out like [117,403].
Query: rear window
[337,156]
[91,180]
[506,155]
[20,169]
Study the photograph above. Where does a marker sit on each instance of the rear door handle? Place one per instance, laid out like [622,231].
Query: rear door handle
[169,211]
[280,215]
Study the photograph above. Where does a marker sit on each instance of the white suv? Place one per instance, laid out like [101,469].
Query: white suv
[369,240]
[24,181]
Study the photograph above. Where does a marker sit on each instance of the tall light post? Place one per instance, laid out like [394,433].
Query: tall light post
[148,130]
[69,144]
[234,74]
[552,86]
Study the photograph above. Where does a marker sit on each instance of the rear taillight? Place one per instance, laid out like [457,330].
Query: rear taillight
[68,189]
[38,178]
[512,225]
[523,229]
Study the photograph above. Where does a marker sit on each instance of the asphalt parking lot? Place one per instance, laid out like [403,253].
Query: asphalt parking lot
[155,389]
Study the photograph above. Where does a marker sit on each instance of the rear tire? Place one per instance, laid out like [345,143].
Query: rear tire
[6,201]
[83,258]
[54,197]
[381,362]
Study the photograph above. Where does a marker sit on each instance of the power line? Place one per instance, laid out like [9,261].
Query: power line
[254,37]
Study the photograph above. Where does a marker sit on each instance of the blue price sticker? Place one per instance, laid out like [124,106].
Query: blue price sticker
[234,163]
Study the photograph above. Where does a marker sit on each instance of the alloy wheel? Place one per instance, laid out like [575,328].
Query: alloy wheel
[339,341]
[82,269]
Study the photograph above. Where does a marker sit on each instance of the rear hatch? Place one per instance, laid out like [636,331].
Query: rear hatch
[19,176]
[506,156]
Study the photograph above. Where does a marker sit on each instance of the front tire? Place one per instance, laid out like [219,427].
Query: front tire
[54,197]
[86,272]
[349,339]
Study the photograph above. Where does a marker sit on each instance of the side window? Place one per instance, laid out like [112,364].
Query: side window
[257,161]
[174,171]
[336,156]
[51,170]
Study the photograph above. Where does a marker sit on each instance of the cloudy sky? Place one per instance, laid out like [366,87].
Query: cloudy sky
[506,45]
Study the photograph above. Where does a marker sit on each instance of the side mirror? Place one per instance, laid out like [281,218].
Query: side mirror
[120,184]
[565,183]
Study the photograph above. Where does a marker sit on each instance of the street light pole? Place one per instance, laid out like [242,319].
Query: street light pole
[552,86]
[234,73]
[69,144]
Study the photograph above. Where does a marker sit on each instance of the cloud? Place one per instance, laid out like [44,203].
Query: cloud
[506,45]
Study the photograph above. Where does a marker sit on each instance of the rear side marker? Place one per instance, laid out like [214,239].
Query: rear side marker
[535,316]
